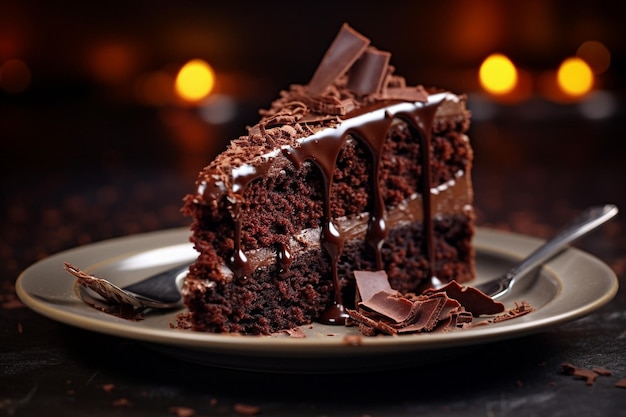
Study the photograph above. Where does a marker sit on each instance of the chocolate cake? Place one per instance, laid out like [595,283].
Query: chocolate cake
[355,171]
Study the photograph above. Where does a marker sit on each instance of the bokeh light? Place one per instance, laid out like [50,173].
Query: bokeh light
[155,88]
[112,62]
[15,76]
[574,77]
[497,74]
[195,81]
[596,55]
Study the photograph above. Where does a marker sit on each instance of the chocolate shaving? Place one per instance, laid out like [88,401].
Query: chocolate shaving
[367,74]
[474,301]
[342,53]
[372,282]
[384,310]
[417,93]
[520,309]
[589,375]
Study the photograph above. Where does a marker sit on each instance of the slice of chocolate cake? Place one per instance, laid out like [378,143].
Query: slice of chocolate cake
[354,171]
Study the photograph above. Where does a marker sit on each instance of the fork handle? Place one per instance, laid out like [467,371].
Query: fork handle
[583,224]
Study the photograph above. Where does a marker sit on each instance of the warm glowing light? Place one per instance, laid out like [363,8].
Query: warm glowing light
[195,80]
[497,74]
[575,77]
[112,62]
[15,76]
[155,88]
[596,55]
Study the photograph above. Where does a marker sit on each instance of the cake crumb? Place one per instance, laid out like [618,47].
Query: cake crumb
[246,409]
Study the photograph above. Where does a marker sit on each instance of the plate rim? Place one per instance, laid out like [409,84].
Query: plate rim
[273,346]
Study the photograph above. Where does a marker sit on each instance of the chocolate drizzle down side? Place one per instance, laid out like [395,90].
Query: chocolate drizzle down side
[384,310]
[353,93]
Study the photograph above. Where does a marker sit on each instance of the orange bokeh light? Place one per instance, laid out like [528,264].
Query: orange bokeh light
[596,55]
[497,74]
[112,62]
[195,81]
[155,88]
[15,76]
[575,77]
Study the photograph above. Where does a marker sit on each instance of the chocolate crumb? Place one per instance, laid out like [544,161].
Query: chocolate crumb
[296,333]
[122,402]
[353,340]
[589,375]
[182,411]
[602,371]
[108,387]
[246,409]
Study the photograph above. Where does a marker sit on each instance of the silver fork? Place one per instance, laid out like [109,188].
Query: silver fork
[162,291]
[584,223]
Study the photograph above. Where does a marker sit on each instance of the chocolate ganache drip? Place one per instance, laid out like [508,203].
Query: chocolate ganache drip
[353,93]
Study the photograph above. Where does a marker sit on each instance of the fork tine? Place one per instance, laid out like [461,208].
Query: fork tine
[110,292]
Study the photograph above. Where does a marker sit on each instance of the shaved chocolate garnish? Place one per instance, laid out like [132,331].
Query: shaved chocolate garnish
[372,282]
[474,301]
[520,309]
[389,305]
[385,310]
[342,53]
[602,371]
[587,374]
[417,93]
[367,74]
[426,314]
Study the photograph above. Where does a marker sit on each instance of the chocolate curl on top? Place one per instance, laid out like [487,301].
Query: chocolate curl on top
[369,72]
[343,52]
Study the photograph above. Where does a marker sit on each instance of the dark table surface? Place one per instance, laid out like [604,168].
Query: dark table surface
[531,174]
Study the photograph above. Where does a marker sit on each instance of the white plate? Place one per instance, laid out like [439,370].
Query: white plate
[570,286]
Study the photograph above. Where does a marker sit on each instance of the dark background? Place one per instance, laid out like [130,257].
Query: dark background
[86,156]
